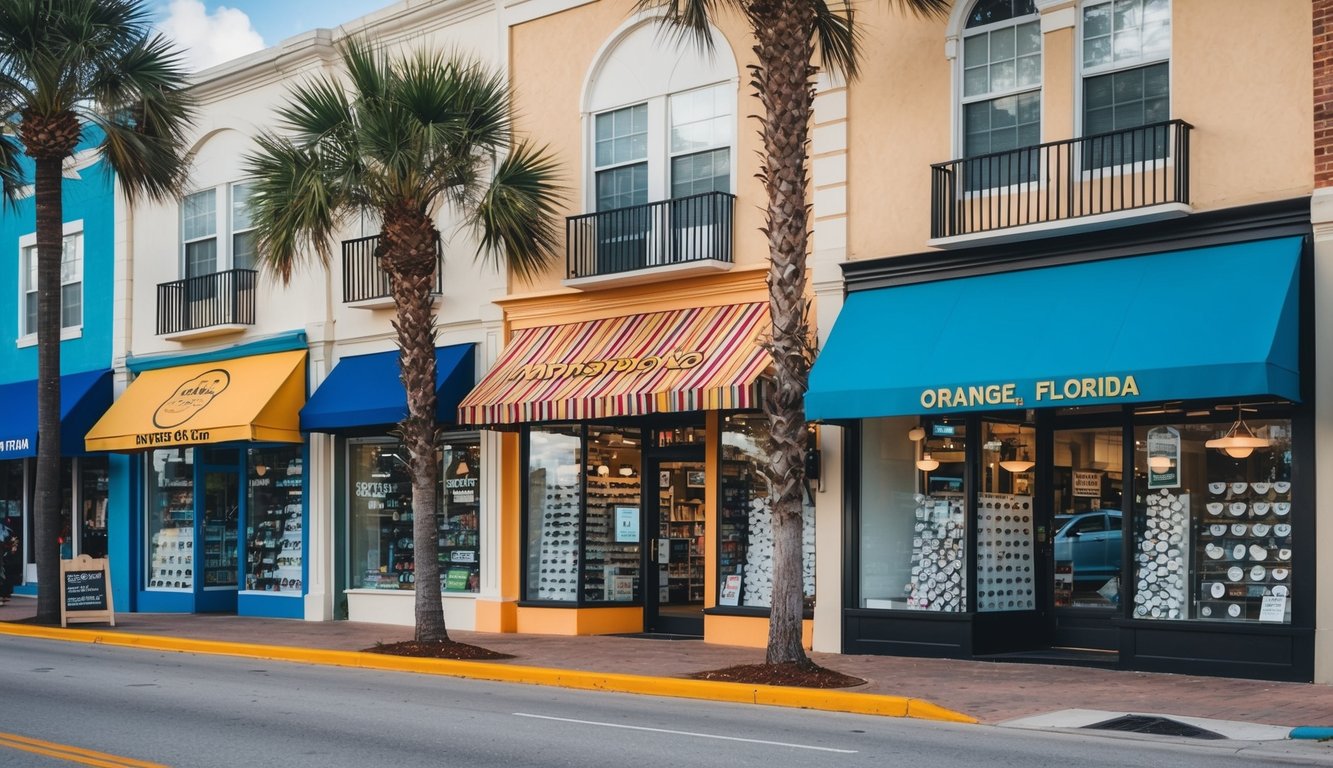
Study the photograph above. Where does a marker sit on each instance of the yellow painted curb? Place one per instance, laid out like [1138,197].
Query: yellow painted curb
[739,693]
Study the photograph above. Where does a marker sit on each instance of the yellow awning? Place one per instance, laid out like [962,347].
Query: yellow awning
[255,398]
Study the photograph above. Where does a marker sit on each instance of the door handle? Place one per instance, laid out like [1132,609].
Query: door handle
[652,556]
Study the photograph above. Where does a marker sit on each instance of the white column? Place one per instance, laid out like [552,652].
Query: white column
[1321,216]
[321,494]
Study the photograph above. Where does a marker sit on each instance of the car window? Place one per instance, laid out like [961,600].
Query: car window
[1115,522]
[1090,524]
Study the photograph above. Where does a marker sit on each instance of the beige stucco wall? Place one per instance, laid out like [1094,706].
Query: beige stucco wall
[1242,77]
[550,61]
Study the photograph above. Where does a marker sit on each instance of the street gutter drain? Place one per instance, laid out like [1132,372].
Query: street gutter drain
[1156,726]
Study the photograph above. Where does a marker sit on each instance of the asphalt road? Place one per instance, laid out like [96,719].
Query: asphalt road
[191,711]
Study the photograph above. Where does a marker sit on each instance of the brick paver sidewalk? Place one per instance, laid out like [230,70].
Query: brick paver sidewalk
[991,692]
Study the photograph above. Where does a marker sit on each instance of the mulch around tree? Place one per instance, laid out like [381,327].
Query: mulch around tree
[443,650]
[789,674]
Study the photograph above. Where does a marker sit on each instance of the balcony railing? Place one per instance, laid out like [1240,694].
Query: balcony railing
[363,277]
[1100,174]
[685,229]
[195,303]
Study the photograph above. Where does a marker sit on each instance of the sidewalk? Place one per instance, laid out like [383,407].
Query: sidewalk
[990,692]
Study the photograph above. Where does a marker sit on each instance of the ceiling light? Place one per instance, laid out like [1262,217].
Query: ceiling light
[1239,441]
[926,463]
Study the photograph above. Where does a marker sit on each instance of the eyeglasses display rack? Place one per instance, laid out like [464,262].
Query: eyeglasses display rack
[936,583]
[171,563]
[1006,574]
[555,517]
[1243,552]
[274,530]
[611,568]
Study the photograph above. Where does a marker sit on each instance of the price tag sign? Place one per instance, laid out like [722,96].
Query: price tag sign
[1273,608]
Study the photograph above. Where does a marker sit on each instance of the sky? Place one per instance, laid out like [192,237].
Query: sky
[213,31]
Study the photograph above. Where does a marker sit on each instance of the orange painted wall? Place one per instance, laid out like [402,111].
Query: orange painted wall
[748,631]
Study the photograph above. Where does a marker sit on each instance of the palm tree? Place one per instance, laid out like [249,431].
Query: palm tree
[66,65]
[790,36]
[410,135]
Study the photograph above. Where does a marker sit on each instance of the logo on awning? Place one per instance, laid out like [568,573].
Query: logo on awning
[190,398]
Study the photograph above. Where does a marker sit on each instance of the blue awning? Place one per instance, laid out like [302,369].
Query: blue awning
[84,397]
[366,390]
[1217,322]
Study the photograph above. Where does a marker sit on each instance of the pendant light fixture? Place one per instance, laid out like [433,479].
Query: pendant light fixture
[926,463]
[1018,464]
[916,434]
[1239,441]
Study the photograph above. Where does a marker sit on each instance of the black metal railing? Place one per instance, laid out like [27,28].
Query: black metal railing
[1104,173]
[674,231]
[222,298]
[363,277]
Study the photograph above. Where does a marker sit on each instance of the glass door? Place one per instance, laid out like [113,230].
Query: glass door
[1087,500]
[676,520]
[219,560]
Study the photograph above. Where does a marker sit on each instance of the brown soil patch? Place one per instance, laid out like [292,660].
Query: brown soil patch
[443,650]
[791,674]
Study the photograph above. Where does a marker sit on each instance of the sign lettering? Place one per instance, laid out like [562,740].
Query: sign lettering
[672,361]
[1048,391]
[19,444]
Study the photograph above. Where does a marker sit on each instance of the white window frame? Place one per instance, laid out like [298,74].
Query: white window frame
[224,230]
[27,337]
[659,154]
[1084,72]
[960,101]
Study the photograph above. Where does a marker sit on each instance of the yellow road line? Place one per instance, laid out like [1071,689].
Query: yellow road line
[71,753]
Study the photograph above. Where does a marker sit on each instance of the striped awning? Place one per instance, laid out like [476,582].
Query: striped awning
[705,358]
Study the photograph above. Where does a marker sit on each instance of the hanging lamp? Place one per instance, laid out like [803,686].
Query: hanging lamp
[1239,441]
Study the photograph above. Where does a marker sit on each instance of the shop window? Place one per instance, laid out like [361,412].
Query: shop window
[1088,491]
[555,511]
[745,515]
[93,475]
[1126,80]
[381,516]
[13,506]
[1001,99]
[615,489]
[1213,526]
[170,523]
[71,281]
[273,527]
[1006,558]
[913,527]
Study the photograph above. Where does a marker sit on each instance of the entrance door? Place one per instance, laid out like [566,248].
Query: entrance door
[1087,499]
[674,600]
[218,558]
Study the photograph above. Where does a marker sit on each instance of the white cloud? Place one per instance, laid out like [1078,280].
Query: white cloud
[209,38]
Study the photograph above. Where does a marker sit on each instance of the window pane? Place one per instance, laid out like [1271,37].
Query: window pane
[622,135]
[1002,45]
[1029,71]
[91,525]
[994,11]
[622,187]
[1214,532]
[71,260]
[274,526]
[1029,38]
[30,312]
[701,118]
[1096,21]
[913,525]
[240,206]
[976,81]
[1007,123]
[611,567]
[170,518]
[71,305]
[702,172]
[380,520]
[243,250]
[1097,52]
[30,268]
[1006,560]
[555,506]
[1123,101]
[201,258]
[976,50]
[460,529]
[199,214]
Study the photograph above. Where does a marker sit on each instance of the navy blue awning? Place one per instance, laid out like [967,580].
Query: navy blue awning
[367,390]
[84,397]
[1216,322]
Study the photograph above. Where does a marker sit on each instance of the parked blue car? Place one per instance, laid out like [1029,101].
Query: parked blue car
[1093,541]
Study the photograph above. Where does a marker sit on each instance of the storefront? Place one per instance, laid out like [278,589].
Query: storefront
[221,484]
[1082,456]
[84,478]
[360,403]
[642,506]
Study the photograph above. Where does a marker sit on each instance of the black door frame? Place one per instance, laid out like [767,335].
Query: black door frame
[653,620]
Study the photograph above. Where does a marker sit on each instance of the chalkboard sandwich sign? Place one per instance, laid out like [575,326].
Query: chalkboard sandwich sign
[85,591]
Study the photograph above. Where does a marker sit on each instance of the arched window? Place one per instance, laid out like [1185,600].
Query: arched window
[1001,88]
[1126,78]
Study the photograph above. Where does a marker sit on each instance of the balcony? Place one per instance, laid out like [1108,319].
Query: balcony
[1094,182]
[207,305]
[644,243]
[366,284]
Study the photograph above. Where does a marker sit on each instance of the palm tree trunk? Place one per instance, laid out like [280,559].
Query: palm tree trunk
[409,243]
[46,513]
[783,82]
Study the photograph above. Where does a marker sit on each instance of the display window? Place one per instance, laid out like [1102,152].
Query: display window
[1005,512]
[274,526]
[382,545]
[1088,490]
[1213,521]
[170,520]
[554,511]
[745,516]
[913,515]
[93,478]
[13,511]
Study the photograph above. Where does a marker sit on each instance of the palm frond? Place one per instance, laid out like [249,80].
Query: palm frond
[837,37]
[316,110]
[927,9]
[12,173]
[690,19]
[517,218]
[293,202]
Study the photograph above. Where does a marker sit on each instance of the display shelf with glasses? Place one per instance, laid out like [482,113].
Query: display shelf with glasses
[171,564]
[275,525]
[1243,552]
[557,527]
[733,518]
[1006,572]
[611,568]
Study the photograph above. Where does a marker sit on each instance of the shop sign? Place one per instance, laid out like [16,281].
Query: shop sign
[1163,458]
[1067,391]
[627,525]
[731,591]
[1088,485]
[462,490]
[17,444]
[191,396]
[671,361]
[85,593]
[455,579]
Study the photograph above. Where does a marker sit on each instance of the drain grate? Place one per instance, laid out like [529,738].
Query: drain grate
[1157,726]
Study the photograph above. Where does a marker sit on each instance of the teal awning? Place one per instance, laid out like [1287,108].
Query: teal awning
[1217,322]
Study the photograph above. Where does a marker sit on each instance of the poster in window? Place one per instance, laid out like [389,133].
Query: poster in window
[1163,458]
[1088,485]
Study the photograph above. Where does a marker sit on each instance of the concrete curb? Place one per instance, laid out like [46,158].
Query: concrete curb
[738,693]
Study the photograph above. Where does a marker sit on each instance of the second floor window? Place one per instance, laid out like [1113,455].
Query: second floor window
[1126,80]
[1001,104]
[209,248]
[71,284]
